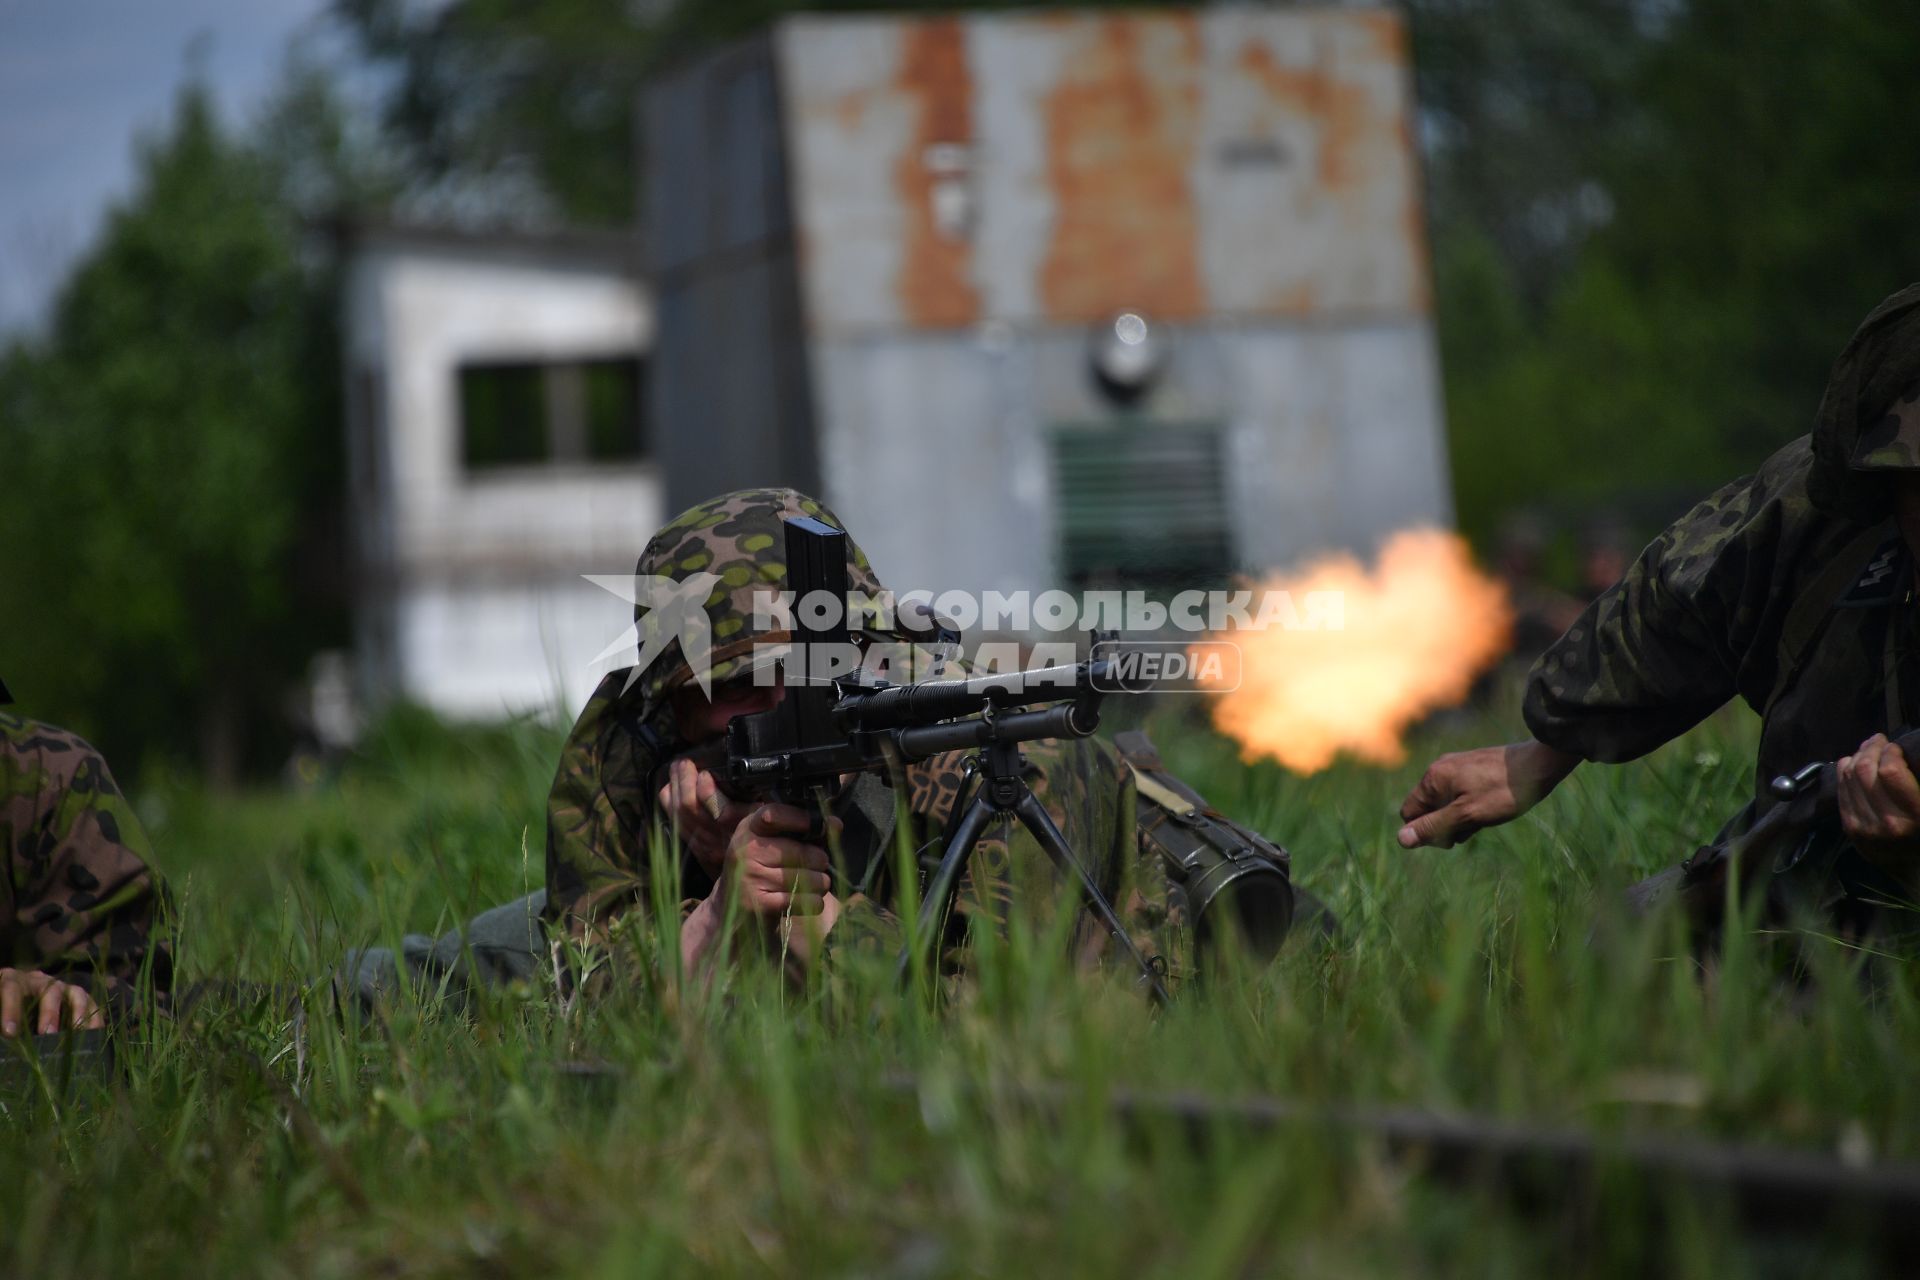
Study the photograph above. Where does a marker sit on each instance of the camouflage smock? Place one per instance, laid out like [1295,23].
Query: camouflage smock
[1790,589]
[602,812]
[80,898]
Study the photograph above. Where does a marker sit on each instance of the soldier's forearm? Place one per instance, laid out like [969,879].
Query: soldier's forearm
[806,936]
[1534,769]
[698,933]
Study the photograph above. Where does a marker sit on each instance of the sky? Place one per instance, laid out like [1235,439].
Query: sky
[80,80]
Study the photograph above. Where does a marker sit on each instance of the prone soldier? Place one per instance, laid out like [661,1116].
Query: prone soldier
[626,768]
[632,774]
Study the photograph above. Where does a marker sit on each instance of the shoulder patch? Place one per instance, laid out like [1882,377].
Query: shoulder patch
[1883,581]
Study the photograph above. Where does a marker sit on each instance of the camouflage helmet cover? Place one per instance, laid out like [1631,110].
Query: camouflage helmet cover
[741,538]
[1892,442]
[1869,417]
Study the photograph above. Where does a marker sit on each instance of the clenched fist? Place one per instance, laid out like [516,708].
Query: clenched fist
[771,872]
[1880,805]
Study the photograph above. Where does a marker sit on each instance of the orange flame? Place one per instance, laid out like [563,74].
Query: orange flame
[1412,636]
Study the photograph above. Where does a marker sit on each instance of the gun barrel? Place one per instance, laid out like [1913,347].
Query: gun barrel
[1068,720]
[931,701]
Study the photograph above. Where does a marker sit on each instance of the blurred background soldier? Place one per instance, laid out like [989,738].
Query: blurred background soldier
[1791,589]
[1541,611]
[1606,553]
[77,920]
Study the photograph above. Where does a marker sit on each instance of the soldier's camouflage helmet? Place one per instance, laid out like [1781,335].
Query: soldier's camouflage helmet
[1870,415]
[741,538]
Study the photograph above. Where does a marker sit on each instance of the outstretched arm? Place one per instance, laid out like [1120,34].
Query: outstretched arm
[1645,662]
[1468,791]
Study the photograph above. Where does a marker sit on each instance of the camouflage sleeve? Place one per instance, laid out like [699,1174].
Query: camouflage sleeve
[597,820]
[83,897]
[1666,645]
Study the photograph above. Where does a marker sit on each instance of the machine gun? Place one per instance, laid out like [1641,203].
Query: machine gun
[1807,801]
[831,722]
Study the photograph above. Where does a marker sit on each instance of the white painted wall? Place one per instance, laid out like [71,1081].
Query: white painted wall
[483,651]
[472,600]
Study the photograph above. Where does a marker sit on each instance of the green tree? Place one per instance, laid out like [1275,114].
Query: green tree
[1758,199]
[533,105]
[170,446]
[1520,104]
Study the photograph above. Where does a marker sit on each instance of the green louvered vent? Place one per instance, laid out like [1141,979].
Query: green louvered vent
[1142,502]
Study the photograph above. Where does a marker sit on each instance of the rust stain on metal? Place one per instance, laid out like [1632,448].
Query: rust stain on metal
[850,108]
[1295,299]
[936,272]
[1120,139]
[1386,32]
[1390,46]
[1342,110]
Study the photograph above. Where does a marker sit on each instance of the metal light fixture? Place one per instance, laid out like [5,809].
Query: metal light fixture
[1126,357]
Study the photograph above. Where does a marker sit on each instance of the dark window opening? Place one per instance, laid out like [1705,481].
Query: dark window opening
[503,413]
[559,413]
[615,390]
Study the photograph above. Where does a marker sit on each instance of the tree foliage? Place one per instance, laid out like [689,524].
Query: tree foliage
[1749,195]
[169,448]
[529,109]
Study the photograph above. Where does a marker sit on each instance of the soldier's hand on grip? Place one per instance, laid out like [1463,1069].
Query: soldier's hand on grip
[706,817]
[1468,791]
[772,872]
[1879,801]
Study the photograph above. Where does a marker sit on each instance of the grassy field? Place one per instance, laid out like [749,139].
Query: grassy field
[760,1130]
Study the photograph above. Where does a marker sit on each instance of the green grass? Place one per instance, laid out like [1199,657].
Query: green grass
[753,1131]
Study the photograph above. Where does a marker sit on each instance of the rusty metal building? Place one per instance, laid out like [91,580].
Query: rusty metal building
[1043,299]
